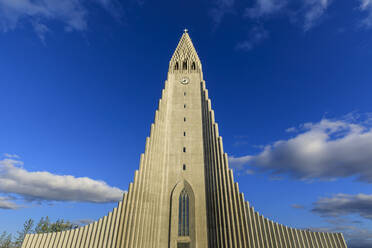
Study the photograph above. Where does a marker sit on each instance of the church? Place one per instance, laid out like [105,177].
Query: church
[184,195]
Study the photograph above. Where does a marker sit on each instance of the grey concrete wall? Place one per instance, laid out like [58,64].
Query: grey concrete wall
[147,216]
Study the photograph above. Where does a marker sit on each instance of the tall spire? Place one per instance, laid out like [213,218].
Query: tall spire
[184,193]
[185,58]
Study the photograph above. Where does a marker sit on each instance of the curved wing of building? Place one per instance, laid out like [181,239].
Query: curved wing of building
[184,194]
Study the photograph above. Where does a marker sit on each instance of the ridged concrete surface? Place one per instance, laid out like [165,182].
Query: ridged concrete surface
[145,217]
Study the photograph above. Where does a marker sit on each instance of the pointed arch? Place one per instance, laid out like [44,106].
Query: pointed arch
[182,215]
[193,67]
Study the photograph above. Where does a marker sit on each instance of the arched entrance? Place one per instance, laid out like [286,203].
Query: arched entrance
[182,216]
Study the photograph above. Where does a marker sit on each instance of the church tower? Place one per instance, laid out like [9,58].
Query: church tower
[184,194]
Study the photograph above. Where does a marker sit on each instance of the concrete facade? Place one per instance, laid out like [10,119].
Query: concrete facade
[184,155]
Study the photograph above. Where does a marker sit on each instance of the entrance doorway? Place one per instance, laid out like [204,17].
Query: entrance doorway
[183,245]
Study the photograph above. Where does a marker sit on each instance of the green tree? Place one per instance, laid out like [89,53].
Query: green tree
[27,228]
[5,240]
[61,225]
[45,226]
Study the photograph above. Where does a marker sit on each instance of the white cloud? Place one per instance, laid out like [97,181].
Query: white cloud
[363,239]
[40,30]
[340,211]
[71,13]
[306,12]
[291,130]
[344,204]
[5,203]
[249,172]
[366,6]
[264,8]
[298,206]
[328,149]
[256,36]
[83,222]
[42,185]
[7,155]
[314,10]
[355,236]
[220,9]
[239,162]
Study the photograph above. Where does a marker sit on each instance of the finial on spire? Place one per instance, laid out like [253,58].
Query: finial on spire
[184,59]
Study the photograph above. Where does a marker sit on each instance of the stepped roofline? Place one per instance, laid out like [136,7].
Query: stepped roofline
[185,59]
[184,193]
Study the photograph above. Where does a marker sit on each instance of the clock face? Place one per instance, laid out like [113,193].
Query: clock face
[185,80]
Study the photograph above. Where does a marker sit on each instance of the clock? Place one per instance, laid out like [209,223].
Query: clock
[185,80]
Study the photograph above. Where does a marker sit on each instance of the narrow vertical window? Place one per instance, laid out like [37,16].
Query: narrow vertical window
[184,149]
[184,93]
[176,66]
[184,65]
[183,216]
[180,216]
[184,167]
[184,106]
[184,119]
[193,66]
[184,133]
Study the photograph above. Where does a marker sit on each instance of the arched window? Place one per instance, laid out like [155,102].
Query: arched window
[184,65]
[183,216]
[176,66]
[193,67]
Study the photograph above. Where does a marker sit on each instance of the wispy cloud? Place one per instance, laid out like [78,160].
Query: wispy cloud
[6,203]
[239,162]
[72,14]
[256,36]
[83,222]
[7,155]
[356,236]
[306,12]
[314,10]
[297,206]
[366,7]
[328,149]
[344,204]
[40,29]
[361,238]
[42,185]
[220,9]
[263,8]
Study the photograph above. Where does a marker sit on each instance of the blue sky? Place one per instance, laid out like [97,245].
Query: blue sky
[290,83]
